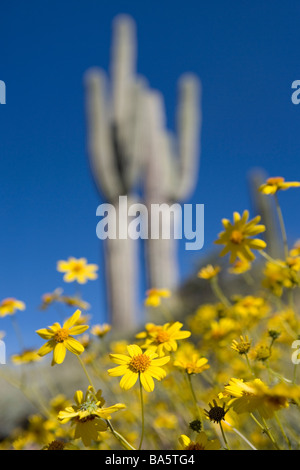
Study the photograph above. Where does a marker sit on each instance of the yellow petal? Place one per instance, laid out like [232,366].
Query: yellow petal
[45,333]
[117,371]
[120,358]
[46,348]
[78,397]
[74,346]
[78,330]
[129,380]
[134,350]
[59,353]
[147,381]
[72,320]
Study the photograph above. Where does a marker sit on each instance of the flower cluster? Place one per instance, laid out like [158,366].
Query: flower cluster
[223,375]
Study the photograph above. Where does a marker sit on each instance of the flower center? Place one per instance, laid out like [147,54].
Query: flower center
[162,336]
[77,268]
[275,180]
[194,446]
[139,363]
[8,302]
[86,419]
[89,406]
[236,237]
[56,445]
[217,413]
[61,335]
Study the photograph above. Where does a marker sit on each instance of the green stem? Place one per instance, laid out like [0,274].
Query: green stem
[87,375]
[194,398]
[264,428]
[219,293]
[224,437]
[18,333]
[119,437]
[282,226]
[269,258]
[241,435]
[283,431]
[294,374]
[143,414]
[249,365]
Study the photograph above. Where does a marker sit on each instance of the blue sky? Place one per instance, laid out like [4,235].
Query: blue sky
[247,56]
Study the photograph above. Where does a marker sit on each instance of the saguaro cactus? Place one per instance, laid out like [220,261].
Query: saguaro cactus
[114,130]
[171,171]
[127,136]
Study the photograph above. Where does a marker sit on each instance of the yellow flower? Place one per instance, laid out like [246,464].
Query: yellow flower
[242,346]
[279,275]
[295,251]
[209,272]
[100,330]
[250,309]
[261,352]
[240,266]
[219,330]
[164,339]
[75,302]
[272,185]
[190,361]
[154,296]
[50,297]
[27,356]
[9,306]
[60,338]
[200,321]
[150,328]
[237,237]
[257,396]
[77,270]
[88,415]
[138,364]
[201,443]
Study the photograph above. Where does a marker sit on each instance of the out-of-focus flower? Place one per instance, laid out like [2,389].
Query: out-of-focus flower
[190,360]
[75,302]
[9,306]
[201,442]
[50,297]
[220,330]
[154,296]
[279,275]
[257,396]
[59,445]
[60,338]
[88,415]
[144,365]
[77,270]
[237,237]
[295,251]
[26,357]
[100,330]
[250,309]
[165,338]
[149,329]
[240,266]
[277,183]
[209,272]
[261,352]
